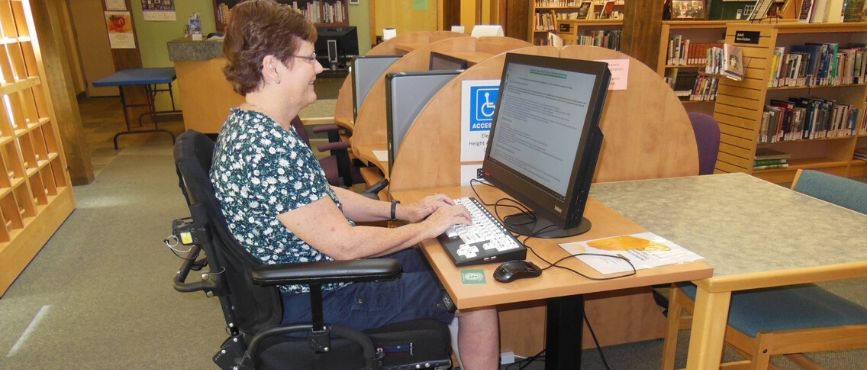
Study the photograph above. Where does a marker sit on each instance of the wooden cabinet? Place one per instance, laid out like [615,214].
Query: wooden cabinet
[35,192]
[740,105]
[321,12]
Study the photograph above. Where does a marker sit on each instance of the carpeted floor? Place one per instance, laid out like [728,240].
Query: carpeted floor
[99,294]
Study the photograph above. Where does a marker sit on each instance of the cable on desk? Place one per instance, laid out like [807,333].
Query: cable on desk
[523,208]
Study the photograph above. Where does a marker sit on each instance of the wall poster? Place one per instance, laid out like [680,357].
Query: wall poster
[158,10]
[119,25]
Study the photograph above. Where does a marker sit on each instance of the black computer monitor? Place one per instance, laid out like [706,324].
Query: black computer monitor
[545,140]
[365,71]
[440,61]
[406,93]
[336,46]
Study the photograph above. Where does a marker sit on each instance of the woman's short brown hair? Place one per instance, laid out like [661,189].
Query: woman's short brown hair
[258,28]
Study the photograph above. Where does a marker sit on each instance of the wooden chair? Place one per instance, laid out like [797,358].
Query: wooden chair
[790,320]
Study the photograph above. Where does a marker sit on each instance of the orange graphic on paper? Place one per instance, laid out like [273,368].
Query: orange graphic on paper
[627,242]
[118,23]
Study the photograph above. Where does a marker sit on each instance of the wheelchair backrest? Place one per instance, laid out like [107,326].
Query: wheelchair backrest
[246,306]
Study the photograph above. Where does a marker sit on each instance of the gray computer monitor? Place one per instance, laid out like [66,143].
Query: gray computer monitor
[365,71]
[406,93]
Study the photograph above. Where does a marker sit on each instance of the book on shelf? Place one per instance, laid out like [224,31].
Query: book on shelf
[733,62]
[583,10]
[800,118]
[853,11]
[770,162]
[555,40]
[818,64]
[860,153]
[806,11]
[770,153]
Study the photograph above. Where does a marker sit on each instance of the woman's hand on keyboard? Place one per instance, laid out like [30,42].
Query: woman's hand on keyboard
[446,216]
[415,212]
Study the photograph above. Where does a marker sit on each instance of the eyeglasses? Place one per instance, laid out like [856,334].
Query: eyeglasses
[310,59]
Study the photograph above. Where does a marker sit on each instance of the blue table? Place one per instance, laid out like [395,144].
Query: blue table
[149,78]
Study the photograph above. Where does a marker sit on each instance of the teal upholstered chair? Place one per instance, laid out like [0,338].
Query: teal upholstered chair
[789,320]
[833,189]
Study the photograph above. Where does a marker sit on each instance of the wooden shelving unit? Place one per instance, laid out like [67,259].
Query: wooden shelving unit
[573,30]
[324,13]
[697,32]
[545,14]
[740,104]
[35,192]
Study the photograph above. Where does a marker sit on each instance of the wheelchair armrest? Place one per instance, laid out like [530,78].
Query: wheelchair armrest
[325,128]
[337,145]
[327,272]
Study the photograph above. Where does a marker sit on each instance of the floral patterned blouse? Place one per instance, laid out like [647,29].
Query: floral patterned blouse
[261,170]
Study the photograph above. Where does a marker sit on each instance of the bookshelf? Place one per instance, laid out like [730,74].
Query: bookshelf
[35,192]
[324,13]
[585,15]
[690,41]
[740,106]
[605,33]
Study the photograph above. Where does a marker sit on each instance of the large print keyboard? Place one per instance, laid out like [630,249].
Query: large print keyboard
[485,241]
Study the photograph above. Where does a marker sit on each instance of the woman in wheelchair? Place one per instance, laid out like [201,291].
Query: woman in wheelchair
[280,207]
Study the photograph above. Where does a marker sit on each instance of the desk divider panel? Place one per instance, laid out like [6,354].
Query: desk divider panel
[647,135]
[370,126]
[395,46]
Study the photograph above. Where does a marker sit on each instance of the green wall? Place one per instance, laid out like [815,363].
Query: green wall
[152,37]
[359,16]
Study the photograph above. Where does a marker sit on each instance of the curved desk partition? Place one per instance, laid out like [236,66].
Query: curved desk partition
[370,132]
[647,135]
[395,46]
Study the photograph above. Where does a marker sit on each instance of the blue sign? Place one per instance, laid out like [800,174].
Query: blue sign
[483,103]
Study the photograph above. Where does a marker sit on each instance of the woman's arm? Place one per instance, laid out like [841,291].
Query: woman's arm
[363,209]
[324,227]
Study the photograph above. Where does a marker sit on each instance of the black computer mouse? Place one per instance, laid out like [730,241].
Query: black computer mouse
[513,270]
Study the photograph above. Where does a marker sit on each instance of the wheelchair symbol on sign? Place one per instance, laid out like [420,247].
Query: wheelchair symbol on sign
[483,104]
[488,107]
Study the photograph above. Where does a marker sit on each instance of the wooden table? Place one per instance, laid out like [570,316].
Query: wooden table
[755,234]
[562,289]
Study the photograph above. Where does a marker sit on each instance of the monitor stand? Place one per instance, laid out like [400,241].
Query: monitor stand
[524,224]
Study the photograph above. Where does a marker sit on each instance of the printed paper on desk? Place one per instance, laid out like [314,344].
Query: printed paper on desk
[644,250]
[478,103]
[619,73]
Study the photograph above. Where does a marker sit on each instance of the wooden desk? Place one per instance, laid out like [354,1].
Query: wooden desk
[472,58]
[755,234]
[366,154]
[562,289]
